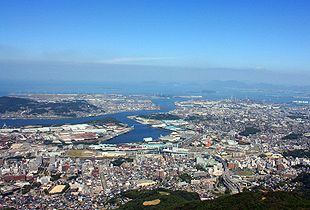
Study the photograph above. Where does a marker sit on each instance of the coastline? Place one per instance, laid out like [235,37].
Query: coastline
[69,118]
[137,134]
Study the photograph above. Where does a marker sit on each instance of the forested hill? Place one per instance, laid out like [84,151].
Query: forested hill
[180,200]
[23,107]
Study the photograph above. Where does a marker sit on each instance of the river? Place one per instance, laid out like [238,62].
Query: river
[140,131]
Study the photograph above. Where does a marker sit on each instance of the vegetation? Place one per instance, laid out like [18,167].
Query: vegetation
[251,200]
[249,131]
[304,180]
[300,166]
[181,200]
[300,153]
[292,136]
[163,193]
[301,116]
[26,188]
[134,194]
[72,177]
[167,198]
[17,157]
[161,116]
[198,118]
[200,167]
[119,161]
[55,177]
[12,104]
[32,107]
[185,178]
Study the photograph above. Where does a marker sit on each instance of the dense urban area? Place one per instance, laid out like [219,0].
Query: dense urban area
[215,148]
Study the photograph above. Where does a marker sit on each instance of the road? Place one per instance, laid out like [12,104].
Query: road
[235,188]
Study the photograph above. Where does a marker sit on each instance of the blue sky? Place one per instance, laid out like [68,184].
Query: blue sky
[259,35]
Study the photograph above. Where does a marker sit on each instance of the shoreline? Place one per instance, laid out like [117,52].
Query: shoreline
[69,118]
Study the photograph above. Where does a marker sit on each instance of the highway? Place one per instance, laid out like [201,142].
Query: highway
[235,188]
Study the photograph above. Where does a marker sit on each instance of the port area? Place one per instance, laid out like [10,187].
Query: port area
[92,132]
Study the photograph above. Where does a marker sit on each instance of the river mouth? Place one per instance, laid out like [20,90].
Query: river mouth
[139,132]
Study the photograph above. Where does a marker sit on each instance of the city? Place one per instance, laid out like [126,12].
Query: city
[214,147]
[155,105]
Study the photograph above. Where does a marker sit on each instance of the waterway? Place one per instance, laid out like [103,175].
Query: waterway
[140,131]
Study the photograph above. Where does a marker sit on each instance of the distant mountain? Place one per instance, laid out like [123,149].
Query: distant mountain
[218,84]
[204,87]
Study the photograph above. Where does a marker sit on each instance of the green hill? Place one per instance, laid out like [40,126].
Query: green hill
[180,200]
[34,108]
[167,198]
[253,201]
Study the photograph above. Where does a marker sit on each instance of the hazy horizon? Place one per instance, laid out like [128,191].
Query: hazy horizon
[175,41]
[89,72]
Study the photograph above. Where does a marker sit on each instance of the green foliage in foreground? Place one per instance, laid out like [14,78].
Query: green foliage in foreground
[168,199]
[180,200]
[304,180]
[253,201]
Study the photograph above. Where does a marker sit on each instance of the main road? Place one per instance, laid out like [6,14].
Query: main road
[232,186]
